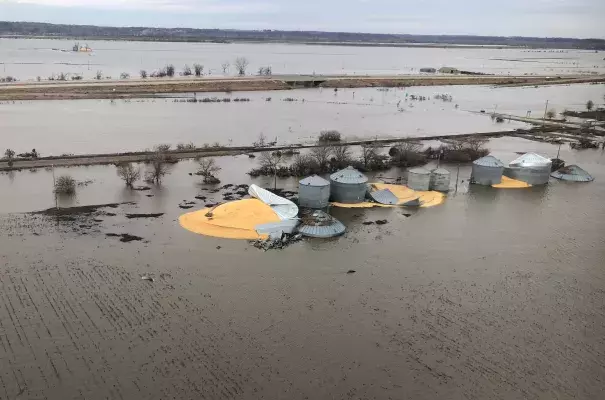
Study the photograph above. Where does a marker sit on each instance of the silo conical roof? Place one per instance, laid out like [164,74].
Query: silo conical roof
[530,160]
[314,180]
[572,173]
[349,175]
[489,161]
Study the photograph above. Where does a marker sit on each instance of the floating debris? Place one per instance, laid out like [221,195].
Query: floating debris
[133,216]
[406,197]
[277,243]
[147,278]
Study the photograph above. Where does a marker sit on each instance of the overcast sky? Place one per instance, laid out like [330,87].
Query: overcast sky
[567,18]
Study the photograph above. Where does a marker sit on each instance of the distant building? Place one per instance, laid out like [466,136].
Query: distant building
[448,70]
[429,70]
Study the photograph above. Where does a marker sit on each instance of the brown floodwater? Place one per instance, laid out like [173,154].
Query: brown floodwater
[99,126]
[496,294]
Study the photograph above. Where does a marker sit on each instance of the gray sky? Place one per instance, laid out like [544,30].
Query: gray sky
[567,18]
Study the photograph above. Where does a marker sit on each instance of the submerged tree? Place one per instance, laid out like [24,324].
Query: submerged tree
[225,66]
[207,169]
[187,70]
[128,173]
[199,69]
[158,166]
[241,64]
[589,105]
[271,162]
[321,156]
[65,184]
[10,156]
[550,114]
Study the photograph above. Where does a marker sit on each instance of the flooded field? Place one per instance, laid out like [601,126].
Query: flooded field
[493,295]
[98,126]
[28,58]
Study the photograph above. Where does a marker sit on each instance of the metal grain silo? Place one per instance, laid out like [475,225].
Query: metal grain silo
[348,186]
[313,192]
[487,171]
[419,179]
[440,180]
[530,168]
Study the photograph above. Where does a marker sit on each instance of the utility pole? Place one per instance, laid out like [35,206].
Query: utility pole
[559,151]
[544,117]
[457,175]
[55,188]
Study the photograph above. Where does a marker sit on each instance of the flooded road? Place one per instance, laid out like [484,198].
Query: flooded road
[26,59]
[493,295]
[101,126]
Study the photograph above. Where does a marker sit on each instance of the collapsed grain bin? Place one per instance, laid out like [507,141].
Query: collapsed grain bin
[419,179]
[440,180]
[318,224]
[487,171]
[572,173]
[531,168]
[313,192]
[348,186]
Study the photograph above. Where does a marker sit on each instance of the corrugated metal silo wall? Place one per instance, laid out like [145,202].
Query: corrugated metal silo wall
[440,182]
[419,181]
[533,175]
[487,175]
[313,196]
[348,193]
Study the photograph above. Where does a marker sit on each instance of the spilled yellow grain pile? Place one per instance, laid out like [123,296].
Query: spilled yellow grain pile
[404,194]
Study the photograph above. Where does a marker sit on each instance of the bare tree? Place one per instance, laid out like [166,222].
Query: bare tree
[225,66]
[589,105]
[271,162]
[10,156]
[170,70]
[341,156]
[321,155]
[241,64]
[143,74]
[65,184]
[369,153]
[157,168]
[207,169]
[128,173]
[99,75]
[407,153]
[550,114]
[187,70]
[199,69]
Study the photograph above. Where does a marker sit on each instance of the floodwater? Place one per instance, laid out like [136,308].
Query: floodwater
[493,295]
[98,126]
[26,59]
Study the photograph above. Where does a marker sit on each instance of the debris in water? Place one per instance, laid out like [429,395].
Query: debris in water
[382,222]
[218,247]
[147,278]
[351,271]
[125,237]
[185,207]
[277,243]
[368,223]
[155,215]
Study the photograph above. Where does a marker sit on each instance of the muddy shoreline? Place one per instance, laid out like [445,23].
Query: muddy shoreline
[153,87]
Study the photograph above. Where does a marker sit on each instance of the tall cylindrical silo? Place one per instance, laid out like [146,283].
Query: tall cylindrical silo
[348,186]
[313,192]
[419,179]
[440,180]
[487,171]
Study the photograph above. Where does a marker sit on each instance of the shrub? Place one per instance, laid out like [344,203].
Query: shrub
[76,77]
[10,155]
[186,146]
[550,114]
[162,148]
[187,71]
[589,105]
[341,157]
[62,77]
[99,75]
[225,66]
[65,184]
[143,74]
[329,136]
[407,154]
[124,75]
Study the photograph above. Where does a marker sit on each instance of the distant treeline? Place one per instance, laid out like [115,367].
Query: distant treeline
[35,29]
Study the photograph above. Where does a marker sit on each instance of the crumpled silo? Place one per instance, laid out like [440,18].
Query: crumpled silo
[531,168]
[313,192]
[487,171]
[348,186]
[419,179]
[572,173]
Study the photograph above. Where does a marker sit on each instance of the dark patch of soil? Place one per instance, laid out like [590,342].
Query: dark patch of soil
[125,237]
[81,210]
[132,216]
